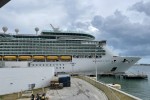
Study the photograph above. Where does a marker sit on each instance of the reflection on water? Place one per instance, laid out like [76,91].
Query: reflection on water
[139,88]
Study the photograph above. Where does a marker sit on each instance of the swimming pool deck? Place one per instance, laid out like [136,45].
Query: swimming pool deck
[79,90]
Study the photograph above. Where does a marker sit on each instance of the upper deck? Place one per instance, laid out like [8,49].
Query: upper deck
[68,35]
[48,34]
[51,43]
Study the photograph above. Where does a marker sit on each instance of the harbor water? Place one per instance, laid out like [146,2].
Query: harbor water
[137,87]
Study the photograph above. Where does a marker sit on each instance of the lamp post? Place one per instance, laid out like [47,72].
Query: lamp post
[95,66]
[72,67]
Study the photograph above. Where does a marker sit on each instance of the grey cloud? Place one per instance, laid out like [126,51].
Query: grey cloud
[77,10]
[79,26]
[141,7]
[130,38]
[24,6]
[27,14]
[98,21]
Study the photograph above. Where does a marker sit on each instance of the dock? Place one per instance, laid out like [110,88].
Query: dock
[79,90]
[138,76]
[125,75]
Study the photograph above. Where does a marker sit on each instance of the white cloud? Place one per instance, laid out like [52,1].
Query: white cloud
[93,29]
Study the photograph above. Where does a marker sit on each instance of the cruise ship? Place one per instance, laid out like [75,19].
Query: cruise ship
[29,61]
[66,51]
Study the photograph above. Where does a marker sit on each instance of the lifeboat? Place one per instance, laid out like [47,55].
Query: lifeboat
[9,57]
[52,57]
[0,57]
[65,57]
[39,57]
[24,57]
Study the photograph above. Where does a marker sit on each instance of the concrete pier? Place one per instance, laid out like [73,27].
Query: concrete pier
[110,92]
[82,88]
[79,90]
[125,75]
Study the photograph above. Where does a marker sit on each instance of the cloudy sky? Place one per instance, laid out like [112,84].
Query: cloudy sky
[125,24]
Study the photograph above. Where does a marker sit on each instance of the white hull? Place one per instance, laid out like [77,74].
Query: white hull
[82,65]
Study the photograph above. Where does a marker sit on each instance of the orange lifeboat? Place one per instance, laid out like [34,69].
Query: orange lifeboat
[10,58]
[24,57]
[52,57]
[39,57]
[65,57]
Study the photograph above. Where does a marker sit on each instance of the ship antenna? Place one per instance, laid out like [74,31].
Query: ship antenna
[16,30]
[54,29]
[4,29]
[36,29]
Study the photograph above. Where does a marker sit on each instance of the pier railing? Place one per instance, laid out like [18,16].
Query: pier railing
[110,92]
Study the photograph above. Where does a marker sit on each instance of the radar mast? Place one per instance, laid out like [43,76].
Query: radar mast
[54,28]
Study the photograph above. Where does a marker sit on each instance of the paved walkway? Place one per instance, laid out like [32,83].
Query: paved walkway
[79,90]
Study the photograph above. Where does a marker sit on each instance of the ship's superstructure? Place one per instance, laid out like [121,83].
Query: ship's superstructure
[66,51]
[49,46]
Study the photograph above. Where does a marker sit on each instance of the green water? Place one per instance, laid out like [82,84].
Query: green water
[136,87]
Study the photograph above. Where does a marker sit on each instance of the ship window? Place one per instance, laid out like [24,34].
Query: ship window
[60,67]
[63,67]
[56,67]
[46,64]
[43,64]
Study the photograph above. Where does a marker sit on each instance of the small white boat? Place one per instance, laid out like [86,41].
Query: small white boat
[117,86]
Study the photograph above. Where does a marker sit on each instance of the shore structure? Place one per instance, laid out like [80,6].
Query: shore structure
[83,88]
[79,90]
[14,80]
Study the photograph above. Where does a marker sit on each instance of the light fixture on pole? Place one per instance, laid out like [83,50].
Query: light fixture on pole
[95,66]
